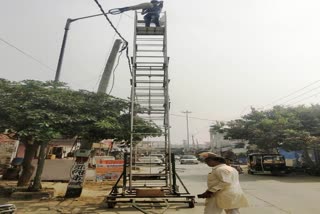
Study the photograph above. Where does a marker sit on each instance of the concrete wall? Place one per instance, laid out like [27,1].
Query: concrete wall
[8,150]
[59,170]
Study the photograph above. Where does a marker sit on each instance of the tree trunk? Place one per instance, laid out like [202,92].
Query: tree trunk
[41,161]
[28,168]
[307,158]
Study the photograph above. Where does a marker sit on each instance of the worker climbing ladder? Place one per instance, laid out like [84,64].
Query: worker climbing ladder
[150,102]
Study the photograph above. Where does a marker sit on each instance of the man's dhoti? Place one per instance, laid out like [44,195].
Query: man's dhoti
[212,208]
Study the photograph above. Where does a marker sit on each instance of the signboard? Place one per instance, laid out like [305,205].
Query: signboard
[109,169]
[77,177]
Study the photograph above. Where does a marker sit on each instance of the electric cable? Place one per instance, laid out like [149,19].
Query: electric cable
[196,118]
[127,15]
[125,44]
[110,22]
[286,96]
[109,51]
[305,98]
[26,54]
[113,73]
[300,95]
[290,94]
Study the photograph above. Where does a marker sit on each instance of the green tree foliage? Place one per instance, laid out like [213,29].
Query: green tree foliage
[292,128]
[40,111]
[217,127]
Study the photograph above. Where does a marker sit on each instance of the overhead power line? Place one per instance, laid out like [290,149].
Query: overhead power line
[305,98]
[27,55]
[196,118]
[294,98]
[294,92]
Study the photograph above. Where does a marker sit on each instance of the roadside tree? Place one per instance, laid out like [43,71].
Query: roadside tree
[291,128]
[40,111]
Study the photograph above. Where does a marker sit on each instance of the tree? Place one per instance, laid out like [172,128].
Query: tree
[292,128]
[40,111]
[217,127]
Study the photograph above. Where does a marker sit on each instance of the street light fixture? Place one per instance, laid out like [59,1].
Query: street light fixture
[64,41]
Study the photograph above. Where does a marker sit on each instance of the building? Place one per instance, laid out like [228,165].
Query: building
[60,148]
[8,149]
[219,144]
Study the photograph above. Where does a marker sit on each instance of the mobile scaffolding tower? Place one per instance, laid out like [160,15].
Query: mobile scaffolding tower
[149,102]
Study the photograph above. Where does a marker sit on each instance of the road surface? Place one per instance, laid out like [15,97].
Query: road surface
[293,194]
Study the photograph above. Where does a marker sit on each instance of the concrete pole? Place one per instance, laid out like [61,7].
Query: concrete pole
[109,67]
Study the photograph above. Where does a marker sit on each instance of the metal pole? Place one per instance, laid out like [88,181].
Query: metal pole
[64,41]
[133,85]
[188,140]
[167,107]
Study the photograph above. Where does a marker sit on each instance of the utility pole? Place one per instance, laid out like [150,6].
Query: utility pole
[109,66]
[63,46]
[193,144]
[197,144]
[64,41]
[187,118]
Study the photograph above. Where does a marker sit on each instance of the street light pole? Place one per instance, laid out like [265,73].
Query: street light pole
[187,118]
[66,30]
[64,41]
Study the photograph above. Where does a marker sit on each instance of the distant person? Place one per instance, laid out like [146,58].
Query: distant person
[153,14]
[224,191]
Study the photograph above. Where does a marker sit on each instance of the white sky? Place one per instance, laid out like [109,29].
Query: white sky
[225,55]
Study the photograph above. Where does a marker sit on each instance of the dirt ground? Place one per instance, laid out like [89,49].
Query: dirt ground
[91,200]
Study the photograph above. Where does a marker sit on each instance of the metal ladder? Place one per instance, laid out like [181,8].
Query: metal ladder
[150,88]
[149,102]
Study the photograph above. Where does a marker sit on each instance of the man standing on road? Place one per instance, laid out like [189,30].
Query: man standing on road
[224,191]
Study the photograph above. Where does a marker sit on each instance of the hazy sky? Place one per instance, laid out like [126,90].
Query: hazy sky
[225,55]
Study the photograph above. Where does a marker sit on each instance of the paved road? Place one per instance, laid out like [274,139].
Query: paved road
[267,195]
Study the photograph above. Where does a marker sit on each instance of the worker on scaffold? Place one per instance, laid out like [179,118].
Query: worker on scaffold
[153,14]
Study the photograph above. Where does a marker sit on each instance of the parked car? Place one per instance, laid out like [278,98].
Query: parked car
[149,160]
[177,157]
[188,159]
[160,156]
